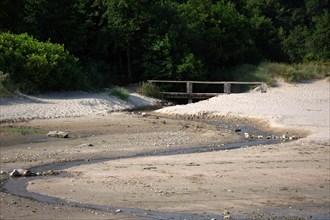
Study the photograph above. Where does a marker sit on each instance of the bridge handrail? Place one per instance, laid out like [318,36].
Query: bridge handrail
[227,86]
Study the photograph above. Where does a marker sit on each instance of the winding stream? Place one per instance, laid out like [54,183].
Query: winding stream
[17,186]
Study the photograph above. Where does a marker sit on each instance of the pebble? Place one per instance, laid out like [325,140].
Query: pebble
[227,217]
[238,129]
[86,145]
[118,211]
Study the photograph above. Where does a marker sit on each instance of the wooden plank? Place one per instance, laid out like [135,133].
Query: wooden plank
[189,88]
[206,82]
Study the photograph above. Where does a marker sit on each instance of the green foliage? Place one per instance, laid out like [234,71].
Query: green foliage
[120,92]
[3,88]
[150,90]
[120,41]
[34,66]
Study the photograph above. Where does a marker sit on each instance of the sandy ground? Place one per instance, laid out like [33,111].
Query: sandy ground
[260,182]
[68,104]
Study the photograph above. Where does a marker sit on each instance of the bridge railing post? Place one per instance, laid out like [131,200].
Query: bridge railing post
[263,88]
[189,91]
[226,88]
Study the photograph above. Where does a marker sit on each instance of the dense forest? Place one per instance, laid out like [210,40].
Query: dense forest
[103,42]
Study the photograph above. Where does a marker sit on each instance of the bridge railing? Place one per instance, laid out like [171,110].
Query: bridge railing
[189,88]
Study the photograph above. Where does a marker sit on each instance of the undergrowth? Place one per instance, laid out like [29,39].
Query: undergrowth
[268,72]
[150,90]
[119,92]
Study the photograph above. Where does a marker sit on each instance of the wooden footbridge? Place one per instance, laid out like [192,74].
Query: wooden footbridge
[190,95]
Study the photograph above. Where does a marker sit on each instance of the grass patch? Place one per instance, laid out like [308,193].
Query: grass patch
[21,131]
[150,90]
[119,92]
[298,72]
[267,72]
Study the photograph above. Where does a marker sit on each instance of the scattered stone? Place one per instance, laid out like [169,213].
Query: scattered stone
[58,134]
[238,129]
[246,135]
[226,212]
[15,173]
[27,173]
[118,211]
[260,137]
[3,172]
[226,217]
[50,173]
[86,145]
[143,114]
[291,138]
[21,172]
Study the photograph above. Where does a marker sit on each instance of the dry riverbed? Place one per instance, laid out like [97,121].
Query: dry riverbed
[162,165]
[269,180]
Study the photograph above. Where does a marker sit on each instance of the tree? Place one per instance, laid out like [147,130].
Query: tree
[122,19]
[318,44]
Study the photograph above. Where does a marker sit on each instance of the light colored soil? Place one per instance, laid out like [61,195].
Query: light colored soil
[288,179]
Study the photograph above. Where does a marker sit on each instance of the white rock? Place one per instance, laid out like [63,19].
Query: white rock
[58,134]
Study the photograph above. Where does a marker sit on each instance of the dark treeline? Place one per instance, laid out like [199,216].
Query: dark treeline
[121,41]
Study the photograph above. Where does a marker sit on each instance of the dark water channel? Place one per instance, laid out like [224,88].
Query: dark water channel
[17,186]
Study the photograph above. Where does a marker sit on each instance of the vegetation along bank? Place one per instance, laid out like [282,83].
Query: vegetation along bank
[89,45]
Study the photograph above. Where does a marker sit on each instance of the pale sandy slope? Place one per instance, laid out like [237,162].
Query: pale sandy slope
[67,104]
[302,106]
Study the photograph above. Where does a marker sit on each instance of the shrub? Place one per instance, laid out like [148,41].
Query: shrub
[34,66]
[3,81]
[120,92]
[150,90]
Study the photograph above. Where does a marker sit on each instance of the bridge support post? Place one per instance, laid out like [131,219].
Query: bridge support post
[226,88]
[189,91]
[263,87]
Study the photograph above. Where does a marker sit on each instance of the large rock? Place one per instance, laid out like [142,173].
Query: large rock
[58,134]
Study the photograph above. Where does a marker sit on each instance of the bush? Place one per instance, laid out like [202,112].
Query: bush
[120,93]
[3,81]
[34,66]
[150,90]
